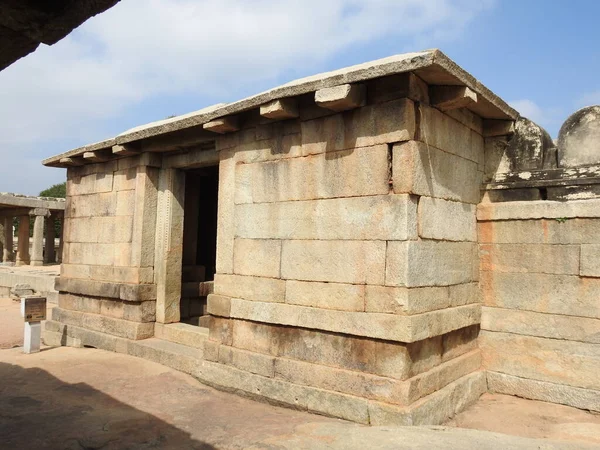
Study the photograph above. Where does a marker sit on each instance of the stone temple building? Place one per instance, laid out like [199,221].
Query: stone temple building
[382,243]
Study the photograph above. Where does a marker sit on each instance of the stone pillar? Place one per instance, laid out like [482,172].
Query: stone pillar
[49,255]
[37,251]
[7,254]
[169,240]
[61,219]
[23,244]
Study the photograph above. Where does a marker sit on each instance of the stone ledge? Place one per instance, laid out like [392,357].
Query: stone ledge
[537,324]
[375,325]
[105,289]
[433,409]
[106,325]
[541,209]
[501,383]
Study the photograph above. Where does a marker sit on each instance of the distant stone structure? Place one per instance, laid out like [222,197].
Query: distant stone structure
[382,243]
[43,210]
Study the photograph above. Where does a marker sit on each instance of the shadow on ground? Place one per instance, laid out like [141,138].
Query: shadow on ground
[39,411]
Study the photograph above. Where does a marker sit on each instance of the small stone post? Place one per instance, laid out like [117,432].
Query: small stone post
[23,244]
[49,255]
[33,310]
[37,251]
[7,253]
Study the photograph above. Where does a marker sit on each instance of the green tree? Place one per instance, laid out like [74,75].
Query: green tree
[56,191]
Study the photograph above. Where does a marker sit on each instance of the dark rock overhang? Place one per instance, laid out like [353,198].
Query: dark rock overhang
[25,24]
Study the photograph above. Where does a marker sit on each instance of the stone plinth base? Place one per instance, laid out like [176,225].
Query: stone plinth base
[541,390]
[431,409]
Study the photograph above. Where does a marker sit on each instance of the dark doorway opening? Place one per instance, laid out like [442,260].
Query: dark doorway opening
[199,243]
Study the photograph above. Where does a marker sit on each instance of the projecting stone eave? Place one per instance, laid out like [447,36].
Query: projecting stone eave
[433,66]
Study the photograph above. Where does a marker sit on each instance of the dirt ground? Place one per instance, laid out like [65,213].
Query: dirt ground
[67,398]
[529,418]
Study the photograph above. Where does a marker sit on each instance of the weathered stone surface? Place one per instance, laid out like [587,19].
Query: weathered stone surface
[389,217]
[182,358]
[375,387]
[445,220]
[98,205]
[542,231]
[361,172]
[334,261]
[424,170]
[436,408]
[226,215]
[219,305]
[250,288]
[530,258]
[445,133]
[88,287]
[344,297]
[459,342]
[211,351]
[590,261]
[285,108]
[512,195]
[429,263]
[257,257]
[402,300]
[546,293]
[492,128]
[101,230]
[448,98]
[554,326]
[578,138]
[221,330]
[405,85]
[380,326]
[222,125]
[85,337]
[248,361]
[108,325]
[547,392]
[144,217]
[168,245]
[527,147]
[542,359]
[21,290]
[342,97]
[539,210]
[372,125]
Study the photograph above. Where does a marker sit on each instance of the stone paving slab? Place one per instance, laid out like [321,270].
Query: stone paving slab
[67,398]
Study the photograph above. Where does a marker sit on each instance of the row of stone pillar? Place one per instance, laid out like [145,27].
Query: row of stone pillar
[40,253]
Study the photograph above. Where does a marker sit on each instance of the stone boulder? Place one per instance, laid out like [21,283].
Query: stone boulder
[579,138]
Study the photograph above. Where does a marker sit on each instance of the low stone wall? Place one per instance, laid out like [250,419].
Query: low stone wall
[540,279]
[40,280]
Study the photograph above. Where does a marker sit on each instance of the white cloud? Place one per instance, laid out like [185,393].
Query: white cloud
[548,118]
[143,49]
[589,99]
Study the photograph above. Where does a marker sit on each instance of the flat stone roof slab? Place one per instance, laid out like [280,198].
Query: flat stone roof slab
[433,66]
[10,201]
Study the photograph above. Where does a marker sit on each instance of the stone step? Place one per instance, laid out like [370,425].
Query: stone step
[182,333]
[177,356]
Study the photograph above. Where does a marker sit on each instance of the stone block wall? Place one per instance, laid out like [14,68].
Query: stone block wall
[107,276]
[347,261]
[540,280]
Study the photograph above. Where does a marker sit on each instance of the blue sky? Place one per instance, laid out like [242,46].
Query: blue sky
[144,60]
